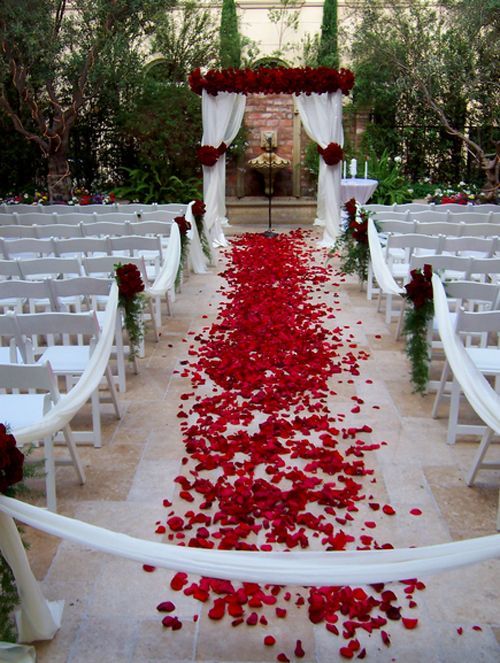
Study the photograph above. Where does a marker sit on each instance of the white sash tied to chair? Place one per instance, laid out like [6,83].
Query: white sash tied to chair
[197,258]
[321,115]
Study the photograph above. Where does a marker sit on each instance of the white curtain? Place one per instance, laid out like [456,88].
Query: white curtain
[197,259]
[222,116]
[321,115]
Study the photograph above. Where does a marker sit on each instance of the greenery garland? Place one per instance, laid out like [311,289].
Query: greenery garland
[132,301]
[12,473]
[418,316]
[352,244]
[184,226]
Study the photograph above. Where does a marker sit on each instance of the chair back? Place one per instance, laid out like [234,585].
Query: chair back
[460,265]
[88,288]
[440,228]
[17,232]
[61,230]
[26,377]
[9,269]
[26,247]
[32,218]
[49,267]
[165,215]
[162,228]
[430,215]
[75,218]
[105,265]
[104,228]
[391,215]
[471,217]
[84,246]
[488,268]
[484,247]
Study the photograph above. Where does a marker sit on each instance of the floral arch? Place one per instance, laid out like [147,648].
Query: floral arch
[319,101]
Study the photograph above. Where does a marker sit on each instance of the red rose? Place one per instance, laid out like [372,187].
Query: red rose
[11,460]
[419,289]
[208,155]
[350,208]
[332,154]
[198,209]
[184,225]
[85,200]
[129,280]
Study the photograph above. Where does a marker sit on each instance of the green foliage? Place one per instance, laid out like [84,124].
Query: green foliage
[285,17]
[416,325]
[311,161]
[187,38]
[8,602]
[424,73]
[146,186]
[328,54]
[230,40]
[392,186]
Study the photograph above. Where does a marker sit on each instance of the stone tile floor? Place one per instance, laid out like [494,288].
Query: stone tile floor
[110,605]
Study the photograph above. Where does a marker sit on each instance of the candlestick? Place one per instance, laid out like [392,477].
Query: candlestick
[366,169]
[344,168]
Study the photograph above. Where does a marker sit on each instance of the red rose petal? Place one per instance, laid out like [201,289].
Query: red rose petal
[269,640]
[409,623]
[148,568]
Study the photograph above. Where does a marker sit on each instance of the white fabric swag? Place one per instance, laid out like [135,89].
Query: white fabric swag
[321,115]
[222,117]
[297,568]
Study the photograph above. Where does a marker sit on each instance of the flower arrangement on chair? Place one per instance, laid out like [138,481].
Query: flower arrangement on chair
[352,244]
[184,227]
[417,319]
[198,209]
[132,300]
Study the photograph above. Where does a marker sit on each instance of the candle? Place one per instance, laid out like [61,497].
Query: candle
[366,169]
[353,167]
[344,166]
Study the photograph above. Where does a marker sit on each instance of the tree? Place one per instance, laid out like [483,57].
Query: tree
[435,61]
[286,18]
[52,52]
[230,39]
[328,55]
[187,38]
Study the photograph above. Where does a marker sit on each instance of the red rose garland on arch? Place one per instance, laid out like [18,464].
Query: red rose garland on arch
[208,155]
[278,80]
[332,154]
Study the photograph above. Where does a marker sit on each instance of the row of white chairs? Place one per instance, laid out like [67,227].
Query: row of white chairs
[74,218]
[422,207]
[468,218]
[439,228]
[81,229]
[21,208]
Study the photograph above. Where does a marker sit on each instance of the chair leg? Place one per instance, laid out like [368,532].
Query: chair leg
[96,418]
[440,391]
[453,413]
[120,355]
[50,474]
[478,459]
[153,319]
[388,309]
[73,452]
[399,328]
[112,389]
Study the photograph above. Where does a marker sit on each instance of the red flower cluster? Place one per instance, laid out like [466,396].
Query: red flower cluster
[350,208]
[199,208]
[11,460]
[208,155]
[460,198]
[129,280]
[419,289]
[332,154]
[265,80]
[267,463]
[359,229]
[183,224]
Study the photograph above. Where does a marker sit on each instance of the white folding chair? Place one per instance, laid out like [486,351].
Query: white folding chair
[32,218]
[25,408]
[10,353]
[67,357]
[145,246]
[474,247]
[49,267]
[446,228]
[17,294]
[91,293]
[9,270]
[105,228]
[82,246]
[59,230]
[17,232]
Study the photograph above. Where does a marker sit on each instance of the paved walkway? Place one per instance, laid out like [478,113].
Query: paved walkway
[110,613]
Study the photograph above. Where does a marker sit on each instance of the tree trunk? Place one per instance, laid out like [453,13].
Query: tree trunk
[58,177]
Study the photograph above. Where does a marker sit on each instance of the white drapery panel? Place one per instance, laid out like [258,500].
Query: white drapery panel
[197,258]
[222,117]
[477,390]
[321,115]
[381,270]
[165,281]
[69,404]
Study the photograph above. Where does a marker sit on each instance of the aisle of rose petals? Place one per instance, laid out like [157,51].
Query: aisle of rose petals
[268,466]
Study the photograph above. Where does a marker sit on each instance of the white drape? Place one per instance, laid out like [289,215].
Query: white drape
[321,115]
[222,117]
[380,268]
[197,259]
[165,281]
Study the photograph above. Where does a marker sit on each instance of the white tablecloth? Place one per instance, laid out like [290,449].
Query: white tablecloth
[354,187]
